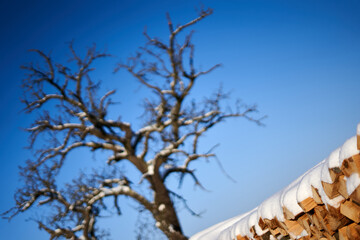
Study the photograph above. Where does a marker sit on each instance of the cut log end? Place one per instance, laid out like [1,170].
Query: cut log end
[351,211]
[308,204]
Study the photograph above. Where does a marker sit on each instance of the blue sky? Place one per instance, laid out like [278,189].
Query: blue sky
[298,60]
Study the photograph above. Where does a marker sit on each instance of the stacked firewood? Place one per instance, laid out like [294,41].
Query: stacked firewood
[319,220]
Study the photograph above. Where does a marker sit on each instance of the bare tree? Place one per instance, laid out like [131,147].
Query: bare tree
[164,147]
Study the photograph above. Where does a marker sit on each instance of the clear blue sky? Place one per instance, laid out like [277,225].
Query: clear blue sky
[298,60]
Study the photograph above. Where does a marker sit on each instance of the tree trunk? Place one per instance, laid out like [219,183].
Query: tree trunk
[165,214]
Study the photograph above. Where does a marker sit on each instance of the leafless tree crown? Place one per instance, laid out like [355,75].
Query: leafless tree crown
[165,146]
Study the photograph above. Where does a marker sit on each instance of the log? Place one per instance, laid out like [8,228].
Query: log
[283,232]
[272,224]
[316,195]
[275,232]
[316,233]
[262,224]
[355,195]
[283,228]
[307,204]
[239,237]
[316,222]
[342,187]
[266,236]
[320,211]
[321,214]
[331,189]
[329,236]
[334,173]
[293,227]
[351,165]
[342,233]
[253,231]
[289,215]
[335,212]
[356,159]
[304,221]
[350,210]
[353,231]
[335,223]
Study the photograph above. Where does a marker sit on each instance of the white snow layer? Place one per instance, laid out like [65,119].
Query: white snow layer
[352,183]
[289,198]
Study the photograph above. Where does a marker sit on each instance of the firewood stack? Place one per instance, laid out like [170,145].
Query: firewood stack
[319,220]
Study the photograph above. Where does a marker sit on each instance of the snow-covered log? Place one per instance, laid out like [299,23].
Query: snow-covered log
[323,203]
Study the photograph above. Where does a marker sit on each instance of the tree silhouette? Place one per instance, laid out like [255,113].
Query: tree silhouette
[164,147]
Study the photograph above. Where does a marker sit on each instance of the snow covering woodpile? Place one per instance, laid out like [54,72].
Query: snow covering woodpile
[323,203]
